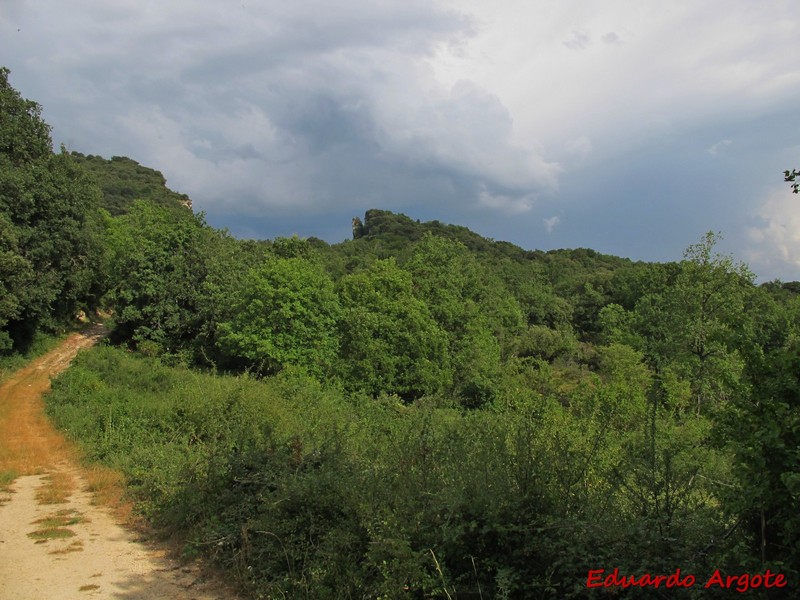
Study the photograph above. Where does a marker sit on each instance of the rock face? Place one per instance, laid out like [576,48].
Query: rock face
[358,228]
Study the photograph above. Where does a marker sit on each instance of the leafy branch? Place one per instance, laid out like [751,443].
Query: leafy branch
[790,177]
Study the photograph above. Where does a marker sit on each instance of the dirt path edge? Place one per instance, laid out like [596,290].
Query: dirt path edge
[55,542]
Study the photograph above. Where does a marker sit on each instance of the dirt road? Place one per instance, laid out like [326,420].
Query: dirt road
[55,543]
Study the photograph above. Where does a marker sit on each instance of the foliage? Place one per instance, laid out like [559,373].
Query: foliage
[123,180]
[157,264]
[286,315]
[227,264]
[471,306]
[791,177]
[390,341]
[24,136]
[16,275]
[303,491]
[50,228]
[762,430]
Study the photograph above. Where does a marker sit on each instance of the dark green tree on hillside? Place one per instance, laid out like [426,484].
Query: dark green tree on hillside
[472,305]
[16,276]
[24,136]
[286,316]
[50,224]
[390,341]
[62,230]
[123,180]
[157,259]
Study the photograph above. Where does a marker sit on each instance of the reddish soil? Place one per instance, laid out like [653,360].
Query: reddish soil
[55,540]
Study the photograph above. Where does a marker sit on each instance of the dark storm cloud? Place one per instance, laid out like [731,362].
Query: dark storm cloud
[278,113]
[550,123]
[278,106]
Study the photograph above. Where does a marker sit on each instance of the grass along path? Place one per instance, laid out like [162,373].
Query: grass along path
[55,541]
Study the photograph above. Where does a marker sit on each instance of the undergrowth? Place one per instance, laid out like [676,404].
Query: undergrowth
[305,492]
[41,344]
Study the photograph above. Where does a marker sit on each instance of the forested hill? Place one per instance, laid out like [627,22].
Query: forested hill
[54,231]
[123,180]
[394,233]
[415,412]
[554,287]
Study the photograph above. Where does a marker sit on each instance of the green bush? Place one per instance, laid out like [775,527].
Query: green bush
[303,491]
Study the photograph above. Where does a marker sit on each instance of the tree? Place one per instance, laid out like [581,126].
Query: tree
[286,315]
[390,342]
[157,265]
[762,429]
[708,308]
[695,324]
[473,306]
[292,247]
[16,275]
[228,263]
[61,230]
[123,181]
[24,136]
[50,222]
[791,177]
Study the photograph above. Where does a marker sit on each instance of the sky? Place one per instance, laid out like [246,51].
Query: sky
[628,127]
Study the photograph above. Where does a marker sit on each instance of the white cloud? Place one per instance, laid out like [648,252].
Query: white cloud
[509,204]
[550,223]
[718,147]
[682,63]
[774,244]
[467,129]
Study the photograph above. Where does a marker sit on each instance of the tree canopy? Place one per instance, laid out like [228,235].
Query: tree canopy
[285,315]
[418,411]
[50,227]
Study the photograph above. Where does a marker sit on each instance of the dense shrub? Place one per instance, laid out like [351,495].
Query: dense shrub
[304,491]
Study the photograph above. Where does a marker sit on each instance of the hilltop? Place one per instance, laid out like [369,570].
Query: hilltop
[122,180]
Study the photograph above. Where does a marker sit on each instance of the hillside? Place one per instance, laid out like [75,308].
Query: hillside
[417,412]
[123,180]
[552,286]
